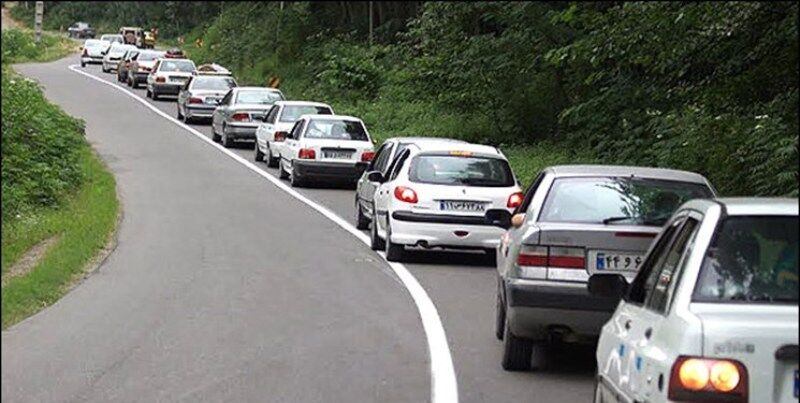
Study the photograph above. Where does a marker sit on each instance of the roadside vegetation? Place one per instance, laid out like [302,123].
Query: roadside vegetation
[55,191]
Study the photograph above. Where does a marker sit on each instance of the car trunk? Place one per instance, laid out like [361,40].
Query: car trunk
[460,200]
[255,111]
[330,150]
[763,337]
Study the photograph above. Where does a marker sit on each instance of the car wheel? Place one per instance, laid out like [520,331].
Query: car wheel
[148,94]
[83,64]
[394,251]
[258,156]
[226,141]
[295,180]
[180,115]
[361,220]
[375,241]
[272,162]
[282,174]
[517,351]
[500,314]
[214,135]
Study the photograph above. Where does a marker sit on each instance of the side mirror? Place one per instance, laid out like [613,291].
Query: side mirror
[499,217]
[608,285]
[517,220]
[375,176]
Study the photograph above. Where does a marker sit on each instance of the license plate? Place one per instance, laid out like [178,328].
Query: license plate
[458,205]
[212,101]
[337,154]
[616,261]
[178,79]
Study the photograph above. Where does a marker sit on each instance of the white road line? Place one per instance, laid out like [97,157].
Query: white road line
[444,388]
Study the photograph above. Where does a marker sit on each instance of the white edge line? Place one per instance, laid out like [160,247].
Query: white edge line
[444,387]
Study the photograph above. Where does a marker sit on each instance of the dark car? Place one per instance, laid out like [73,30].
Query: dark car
[80,30]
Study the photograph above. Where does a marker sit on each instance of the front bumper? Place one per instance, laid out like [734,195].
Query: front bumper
[535,306]
[328,170]
[440,230]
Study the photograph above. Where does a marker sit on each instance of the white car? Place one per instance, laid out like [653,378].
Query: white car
[278,122]
[112,38]
[93,51]
[446,195]
[168,76]
[114,55]
[712,316]
[325,147]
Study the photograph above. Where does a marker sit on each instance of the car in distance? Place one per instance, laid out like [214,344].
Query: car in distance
[712,314]
[93,51]
[277,123]
[201,95]
[113,56]
[239,111]
[443,195]
[124,64]
[141,66]
[168,76]
[174,53]
[80,30]
[577,220]
[213,69]
[132,36]
[365,189]
[112,38]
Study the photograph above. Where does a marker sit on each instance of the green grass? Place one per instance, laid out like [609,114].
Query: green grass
[19,47]
[85,223]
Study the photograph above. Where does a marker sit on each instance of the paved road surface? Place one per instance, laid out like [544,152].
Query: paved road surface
[225,288]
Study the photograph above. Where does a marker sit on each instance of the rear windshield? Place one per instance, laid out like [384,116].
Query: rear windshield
[461,170]
[293,112]
[212,83]
[618,200]
[148,56]
[751,259]
[258,97]
[91,43]
[336,130]
[183,66]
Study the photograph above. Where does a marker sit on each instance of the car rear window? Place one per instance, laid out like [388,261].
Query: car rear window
[183,66]
[258,97]
[212,83]
[751,259]
[336,130]
[461,170]
[618,200]
[91,43]
[293,112]
[148,56]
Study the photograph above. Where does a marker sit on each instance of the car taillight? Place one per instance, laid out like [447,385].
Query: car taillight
[367,156]
[240,117]
[280,136]
[194,100]
[405,194]
[697,379]
[515,200]
[307,154]
[161,79]
[558,257]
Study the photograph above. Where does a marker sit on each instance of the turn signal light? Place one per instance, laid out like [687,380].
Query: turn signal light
[240,117]
[695,379]
[280,136]
[367,156]
[161,80]
[307,154]
[515,200]
[194,100]
[405,194]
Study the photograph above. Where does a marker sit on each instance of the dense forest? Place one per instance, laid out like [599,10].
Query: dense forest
[710,87]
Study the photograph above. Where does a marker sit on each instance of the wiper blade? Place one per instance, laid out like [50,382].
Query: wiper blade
[609,220]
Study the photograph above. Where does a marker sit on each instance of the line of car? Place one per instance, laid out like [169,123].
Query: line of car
[689,297]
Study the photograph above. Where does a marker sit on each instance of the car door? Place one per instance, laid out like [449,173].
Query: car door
[183,94]
[217,117]
[365,189]
[266,129]
[151,76]
[291,145]
[382,193]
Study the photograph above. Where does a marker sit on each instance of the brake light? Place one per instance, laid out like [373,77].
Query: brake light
[515,200]
[280,136]
[194,100]
[307,154]
[240,117]
[160,79]
[405,194]
[695,379]
[367,156]
[558,257]
[532,256]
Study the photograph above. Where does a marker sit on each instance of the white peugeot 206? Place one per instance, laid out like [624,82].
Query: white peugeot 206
[712,315]
[446,195]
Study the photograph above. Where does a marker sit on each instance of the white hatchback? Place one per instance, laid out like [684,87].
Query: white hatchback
[712,314]
[447,195]
[277,124]
[331,148]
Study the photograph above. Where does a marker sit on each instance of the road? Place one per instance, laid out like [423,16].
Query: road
[223,287]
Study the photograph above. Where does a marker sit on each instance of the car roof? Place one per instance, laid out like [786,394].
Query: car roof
[621,170]
[308,103]
[257,88]
[440,146]
[330,117]
[420,139]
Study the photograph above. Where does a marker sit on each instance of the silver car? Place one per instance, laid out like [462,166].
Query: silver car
[365,189]
[168,76]
[576,221]
[240,111]
[114,54]
[201,95]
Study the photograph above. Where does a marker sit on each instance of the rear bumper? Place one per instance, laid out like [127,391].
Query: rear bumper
[328,170]
[203,111]
[140,77]
[167,88]
[409,229]
[239,131]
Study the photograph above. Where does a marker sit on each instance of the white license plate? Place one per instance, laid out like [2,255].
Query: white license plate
[337,154]
[212,101]
[615,261]
[458,205]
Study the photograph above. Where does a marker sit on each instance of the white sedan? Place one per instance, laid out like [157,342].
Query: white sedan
[277,124]
[448,195]
[712,314]
[325,147]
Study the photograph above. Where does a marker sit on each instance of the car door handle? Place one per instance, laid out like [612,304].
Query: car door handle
[628,325]
[648,333]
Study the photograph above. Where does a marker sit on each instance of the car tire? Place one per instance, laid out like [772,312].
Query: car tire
[362,222]
[148,94]
[83,64]
[517,351]
[226,141]
[214,135]
[375,241]
[258,156]
[272,162]
[394,251]
[282,174]
[295,180]
[500,314]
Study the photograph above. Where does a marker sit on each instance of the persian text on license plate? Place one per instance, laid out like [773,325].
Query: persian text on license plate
[457,205]
[615,261]
[337,154]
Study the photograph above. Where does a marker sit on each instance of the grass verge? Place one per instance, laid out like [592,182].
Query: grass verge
[85,222]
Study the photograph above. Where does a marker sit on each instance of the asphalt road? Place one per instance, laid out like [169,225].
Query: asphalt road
[224,288]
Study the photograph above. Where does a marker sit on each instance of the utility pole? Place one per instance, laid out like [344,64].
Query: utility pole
[370,23]
[37,24]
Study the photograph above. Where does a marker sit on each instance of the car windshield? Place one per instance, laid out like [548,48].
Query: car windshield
[96,43]
[258,97]
[183,66]
[751,259]
[336,130]
[462,170]
[618,200]
[293,112]
[149,56]
[212,83]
